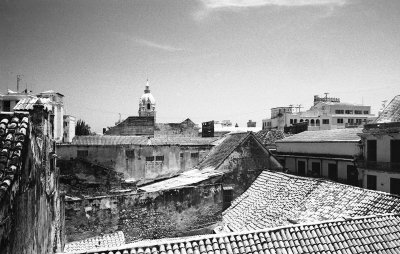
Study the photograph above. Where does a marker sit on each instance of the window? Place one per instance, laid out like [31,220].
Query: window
[301,168]
[340,120]
[316,169]
[371,150]
[295,121]
[395,186]
[366,112]
[332,171]
[181,155]
[317,122]
[349,112]
[160,158]
[339,111]
[150,158]
[227,196]
[350,120]
[358,121]
[148,106]
[82,153]
[7,106]
[371,182]
[395,150]
[130,153]
[357,112]
[291,121]
[325,121]
[352,175]
[312,122]
[194,155]
[301,120]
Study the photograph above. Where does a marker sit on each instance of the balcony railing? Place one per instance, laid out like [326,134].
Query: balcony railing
[381,166]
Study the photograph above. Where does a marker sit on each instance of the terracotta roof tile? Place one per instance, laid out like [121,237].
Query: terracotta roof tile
[139,140]
[277,199]
[14,133]
[391,113]
[307,241]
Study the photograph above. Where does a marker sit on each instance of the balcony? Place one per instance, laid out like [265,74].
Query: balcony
[380,166]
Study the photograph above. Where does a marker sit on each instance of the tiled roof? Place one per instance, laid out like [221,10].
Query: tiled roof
[225,147]
[277,199]
[391,113]
[372,234]
[269,137]
[139,140]
[14,130]
[336,135]
[99,242]
[29,102]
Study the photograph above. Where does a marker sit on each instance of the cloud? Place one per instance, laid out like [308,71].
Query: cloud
[156,45]
[215,5]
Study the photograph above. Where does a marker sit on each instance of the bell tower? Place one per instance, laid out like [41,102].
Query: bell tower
[147,103]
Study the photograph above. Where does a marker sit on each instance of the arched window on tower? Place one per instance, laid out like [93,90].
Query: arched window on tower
[148,106]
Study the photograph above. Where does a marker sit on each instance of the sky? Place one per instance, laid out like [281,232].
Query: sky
[205,59]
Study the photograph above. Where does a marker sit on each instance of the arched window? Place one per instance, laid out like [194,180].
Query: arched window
[317,122]
[148,106]
[307,120]
[301,120]
[312,122]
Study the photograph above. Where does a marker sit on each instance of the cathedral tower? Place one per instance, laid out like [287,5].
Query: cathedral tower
[147,103]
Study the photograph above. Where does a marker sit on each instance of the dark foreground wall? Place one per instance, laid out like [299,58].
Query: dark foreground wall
[170,213]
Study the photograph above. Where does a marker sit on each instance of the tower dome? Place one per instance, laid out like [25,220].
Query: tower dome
[147,103]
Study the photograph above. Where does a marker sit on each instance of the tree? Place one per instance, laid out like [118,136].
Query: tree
[82,128]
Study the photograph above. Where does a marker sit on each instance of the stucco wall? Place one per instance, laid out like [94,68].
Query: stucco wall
[131,159]
[382,146]
[169,213]
[291,165]
[382,179]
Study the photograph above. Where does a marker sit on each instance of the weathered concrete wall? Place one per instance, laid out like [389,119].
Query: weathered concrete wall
[184,129]
[245,164]
[78,177]
[31,213]
[131,159]
[332,148]
[134,125]
[154,215]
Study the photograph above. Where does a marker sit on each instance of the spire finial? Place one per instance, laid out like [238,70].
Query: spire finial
[147,88]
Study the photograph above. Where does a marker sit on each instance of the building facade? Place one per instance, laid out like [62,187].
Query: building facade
[325,114]
[380,163]
[329,153]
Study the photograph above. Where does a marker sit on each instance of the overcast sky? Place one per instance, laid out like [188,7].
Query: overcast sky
[205,59]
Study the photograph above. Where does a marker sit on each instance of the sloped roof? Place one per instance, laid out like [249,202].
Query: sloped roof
[98,140]
[336,135]
[219,153]
[277,199]
[28,103]
[391,113]
[269,137]
[14,132]
[372,234]
[104,241]
[184,179]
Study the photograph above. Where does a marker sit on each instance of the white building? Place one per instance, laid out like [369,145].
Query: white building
[9,101]
[325,114]
[328,153]
[69,128]
[380,165]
